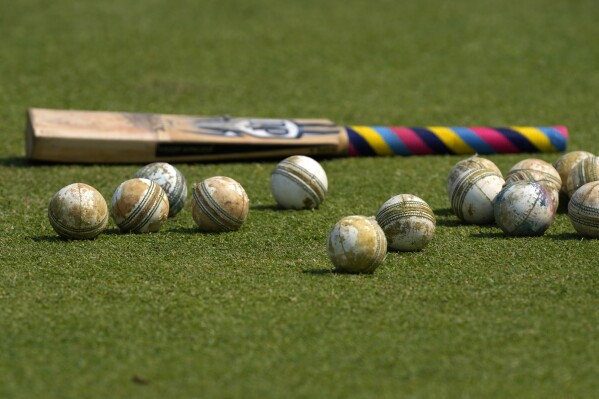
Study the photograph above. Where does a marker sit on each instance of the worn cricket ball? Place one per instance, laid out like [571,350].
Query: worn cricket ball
[407,221]
[524,208]
[299,182]
[356,244]
[565,164]
[171,180]
[219,204]
[547,180]
[583,210]
[536,164]
[583,172]
[473,162]
[139,206]
[78,211]
[472,195]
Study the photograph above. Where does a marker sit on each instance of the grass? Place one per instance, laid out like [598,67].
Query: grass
[258,313]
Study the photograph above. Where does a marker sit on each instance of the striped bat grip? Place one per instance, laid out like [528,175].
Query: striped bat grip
[395,140]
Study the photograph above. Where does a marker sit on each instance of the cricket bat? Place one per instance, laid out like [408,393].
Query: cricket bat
[70,136]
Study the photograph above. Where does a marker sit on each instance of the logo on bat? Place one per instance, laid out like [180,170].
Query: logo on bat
[261,128]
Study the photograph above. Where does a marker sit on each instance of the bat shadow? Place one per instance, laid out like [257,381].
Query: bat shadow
[18,162]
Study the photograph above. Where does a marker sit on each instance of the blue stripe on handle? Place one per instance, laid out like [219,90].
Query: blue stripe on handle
[555,137]
[473,140]
[394,142]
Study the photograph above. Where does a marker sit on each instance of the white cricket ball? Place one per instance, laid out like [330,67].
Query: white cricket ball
[565,164]
[524,208]
[583,172]
[78,211]
[356,244]
[219,204]
[548,180]
[407,221]
[171,180]
[472,195]
[299,182]
[583,210]
[473,162]
[139,206]
[541,166]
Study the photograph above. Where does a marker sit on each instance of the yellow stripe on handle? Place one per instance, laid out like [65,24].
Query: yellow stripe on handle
[536,137]
[451,140]
[374,139]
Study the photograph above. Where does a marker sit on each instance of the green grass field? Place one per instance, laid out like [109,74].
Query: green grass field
[258,313]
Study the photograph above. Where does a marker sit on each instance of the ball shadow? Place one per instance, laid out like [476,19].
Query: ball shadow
[270,207]
[112,232]
[449,222]
[443,212]
[562,206]
[320,272]
[492,234]
[567,237]
[196,231]
[49,239]
[330,272]
[446,217]
[184,230]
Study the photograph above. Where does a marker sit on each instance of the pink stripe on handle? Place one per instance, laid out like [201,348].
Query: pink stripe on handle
[411,140]
[352,150]
[562,129]
[495,139]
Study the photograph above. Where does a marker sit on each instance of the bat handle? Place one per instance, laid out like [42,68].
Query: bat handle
[397,140]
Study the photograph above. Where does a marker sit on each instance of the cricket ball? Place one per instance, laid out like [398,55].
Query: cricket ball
[547,180]
[407,221]
[583,210]
[139,206]
[524,208]
[536,164]
[171,180]
[583,172]
[540,166]
[565,164]
[473,162]
[78,211]
[299,182]
[356,244]
[219,204]
[472,195]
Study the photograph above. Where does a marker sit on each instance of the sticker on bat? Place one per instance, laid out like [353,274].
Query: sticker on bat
[260,128]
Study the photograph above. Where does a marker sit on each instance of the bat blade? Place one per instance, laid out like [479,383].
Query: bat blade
[69,136]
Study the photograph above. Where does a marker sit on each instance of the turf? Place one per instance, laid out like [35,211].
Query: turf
[258,313]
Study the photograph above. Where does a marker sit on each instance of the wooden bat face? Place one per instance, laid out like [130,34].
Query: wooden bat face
[117,137]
